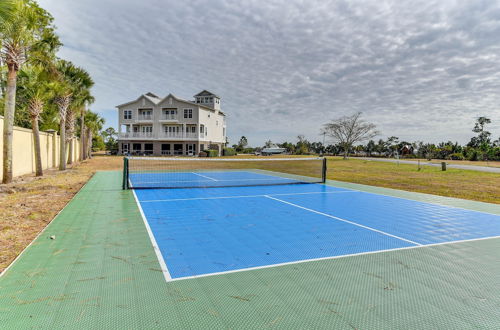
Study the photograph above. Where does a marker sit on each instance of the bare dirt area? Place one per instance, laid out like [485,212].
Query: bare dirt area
[29,203]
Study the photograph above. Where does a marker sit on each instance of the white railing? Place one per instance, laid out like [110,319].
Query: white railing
[168,117]
[173,135]
[144,135]
[179,135]
[191,135]
[161,135]
[145,117]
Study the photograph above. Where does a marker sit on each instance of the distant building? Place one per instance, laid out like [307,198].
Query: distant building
[151,125]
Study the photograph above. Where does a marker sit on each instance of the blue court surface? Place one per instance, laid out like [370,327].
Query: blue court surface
[200,232]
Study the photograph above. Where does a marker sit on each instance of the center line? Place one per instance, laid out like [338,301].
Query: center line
[204,176]
[343,220]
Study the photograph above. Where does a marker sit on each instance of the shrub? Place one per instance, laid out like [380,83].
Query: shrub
[456,156]
[212,153]
[228,152]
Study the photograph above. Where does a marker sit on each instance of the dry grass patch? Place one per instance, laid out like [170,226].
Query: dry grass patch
[29,203]
[466,184]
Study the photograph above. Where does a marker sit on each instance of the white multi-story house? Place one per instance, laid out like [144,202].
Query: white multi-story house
[171,126]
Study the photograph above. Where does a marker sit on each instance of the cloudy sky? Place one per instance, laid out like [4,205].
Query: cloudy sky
[420,70]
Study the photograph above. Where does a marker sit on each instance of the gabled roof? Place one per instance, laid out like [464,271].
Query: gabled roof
[156,100]
[206,93]
[148,96]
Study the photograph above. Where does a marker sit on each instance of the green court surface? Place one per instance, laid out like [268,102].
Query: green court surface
[101,272]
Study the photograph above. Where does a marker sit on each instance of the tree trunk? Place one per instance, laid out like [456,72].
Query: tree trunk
[70,151]
[346,151]
[62,137]
[82,136]
[89,143]
[8,124]
[36,141]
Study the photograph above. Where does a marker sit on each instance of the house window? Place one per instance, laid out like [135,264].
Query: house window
[202,147]
[206,131]
[169,114]
[127,114]
[148,148]
[188,113]
[216,123]
[147,130]
[145,114]
[211,99]
[193,129]
[202,129]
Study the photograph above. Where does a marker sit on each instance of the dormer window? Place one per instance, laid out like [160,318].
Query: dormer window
[211,99]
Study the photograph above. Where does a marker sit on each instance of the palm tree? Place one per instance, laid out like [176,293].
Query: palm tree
[72,92]
[94,124]
[81,98]
[63,100]
[34,90]
[22,23]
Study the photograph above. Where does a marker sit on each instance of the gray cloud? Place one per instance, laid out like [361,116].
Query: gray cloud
[421,70]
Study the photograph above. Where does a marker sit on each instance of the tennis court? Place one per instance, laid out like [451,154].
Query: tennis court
[200,232]
[238,245]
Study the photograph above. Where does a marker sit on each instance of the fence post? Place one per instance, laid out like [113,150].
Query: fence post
[323,174]
[443,166]
[125,173]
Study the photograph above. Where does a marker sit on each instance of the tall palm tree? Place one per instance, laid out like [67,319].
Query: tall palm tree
[63,98]
[73,92]
[21,29]
[35,89]
[81,98]
[94,124]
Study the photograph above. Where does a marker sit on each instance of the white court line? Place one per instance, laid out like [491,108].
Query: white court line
[343,220]
[204,176]
[329,258]
[247,196]
[156,248]
[435,203]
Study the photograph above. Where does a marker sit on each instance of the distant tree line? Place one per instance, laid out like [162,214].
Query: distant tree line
[349,131]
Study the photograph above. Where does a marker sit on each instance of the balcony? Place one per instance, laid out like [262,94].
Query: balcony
[169,118]
[178,135]
[161,136]
[144,118]
[136,135]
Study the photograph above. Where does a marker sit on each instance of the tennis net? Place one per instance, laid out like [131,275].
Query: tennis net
[157,173]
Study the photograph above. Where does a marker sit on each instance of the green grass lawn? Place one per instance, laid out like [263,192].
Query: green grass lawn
[473,185]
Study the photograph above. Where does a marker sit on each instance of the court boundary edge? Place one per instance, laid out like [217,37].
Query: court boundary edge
[47,226]
[156,248]
[329,258]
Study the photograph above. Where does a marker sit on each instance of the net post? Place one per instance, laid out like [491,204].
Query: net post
[125,173]
[323,172]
